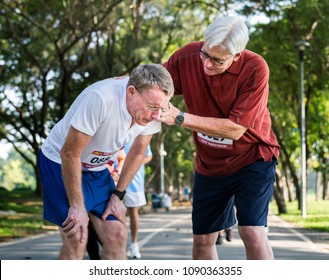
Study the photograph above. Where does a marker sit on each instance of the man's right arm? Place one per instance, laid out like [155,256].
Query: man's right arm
[74,143]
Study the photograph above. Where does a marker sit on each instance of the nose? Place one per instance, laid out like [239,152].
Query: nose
[208,62]
[156,114]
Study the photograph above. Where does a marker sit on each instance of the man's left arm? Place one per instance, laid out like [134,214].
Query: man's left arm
[133,162]
[215,127]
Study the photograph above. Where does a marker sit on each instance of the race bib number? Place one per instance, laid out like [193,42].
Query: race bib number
[96,159]
[217,143]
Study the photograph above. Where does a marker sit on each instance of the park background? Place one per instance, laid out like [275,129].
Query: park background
[51,50]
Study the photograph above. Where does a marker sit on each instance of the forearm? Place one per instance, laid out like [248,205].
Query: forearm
[71,170]
[215,127]
[132,163]
[71,165]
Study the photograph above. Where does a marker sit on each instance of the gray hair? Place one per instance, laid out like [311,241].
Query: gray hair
[231,33]
[149,76]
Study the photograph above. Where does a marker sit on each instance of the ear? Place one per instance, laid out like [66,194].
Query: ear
[237,56]
[131,90]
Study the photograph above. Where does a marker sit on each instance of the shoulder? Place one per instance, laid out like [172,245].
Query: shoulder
[255,60]
[186,51]
[249,64]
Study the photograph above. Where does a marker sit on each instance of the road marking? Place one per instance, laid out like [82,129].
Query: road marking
[300,235]
[158,230]
[23,239]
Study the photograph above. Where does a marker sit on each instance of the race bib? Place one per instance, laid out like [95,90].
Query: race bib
[97,158]
[217,143]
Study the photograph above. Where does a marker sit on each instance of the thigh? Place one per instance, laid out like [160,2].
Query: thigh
[254,192]
[109,232]
[97,190]
[213,202]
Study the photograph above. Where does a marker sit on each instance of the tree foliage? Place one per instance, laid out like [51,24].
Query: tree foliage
[16,173]
[290,22]
[51,50]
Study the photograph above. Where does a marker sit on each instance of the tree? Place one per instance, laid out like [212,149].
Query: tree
[16,173]
[52,50]
[291,21]
[43,45]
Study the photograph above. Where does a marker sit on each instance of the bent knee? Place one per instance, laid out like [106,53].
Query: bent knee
[252,234]
[72,247]
[115,234]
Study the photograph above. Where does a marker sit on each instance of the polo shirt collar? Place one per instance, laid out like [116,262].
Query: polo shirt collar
[236,66]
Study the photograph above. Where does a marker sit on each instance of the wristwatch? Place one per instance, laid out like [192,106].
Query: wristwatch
[119,194]
[179,118]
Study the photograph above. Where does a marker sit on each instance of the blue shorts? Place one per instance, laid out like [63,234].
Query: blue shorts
[97,188]
[249,189]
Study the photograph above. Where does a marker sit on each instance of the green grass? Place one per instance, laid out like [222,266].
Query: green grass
[21,215]
[317,214]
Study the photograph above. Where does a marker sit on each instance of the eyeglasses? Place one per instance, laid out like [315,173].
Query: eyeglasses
[154,108]
[214,60]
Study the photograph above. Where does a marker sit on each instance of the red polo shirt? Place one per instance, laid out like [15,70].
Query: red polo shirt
[240,94]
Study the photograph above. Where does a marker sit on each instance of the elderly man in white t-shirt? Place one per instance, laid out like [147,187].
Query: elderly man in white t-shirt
[77,185]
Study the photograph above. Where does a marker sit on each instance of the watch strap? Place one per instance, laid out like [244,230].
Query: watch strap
[119,194]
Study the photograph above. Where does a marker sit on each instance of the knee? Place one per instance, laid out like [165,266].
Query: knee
[251,235]
[204,240]
[72,248]
[117,237]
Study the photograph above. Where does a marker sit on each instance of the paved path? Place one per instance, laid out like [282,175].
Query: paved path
[168,236]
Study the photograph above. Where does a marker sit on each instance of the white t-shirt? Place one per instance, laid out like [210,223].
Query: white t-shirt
[99,111]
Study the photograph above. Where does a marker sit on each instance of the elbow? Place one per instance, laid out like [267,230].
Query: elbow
[64,154]
[68,157]
[237,134]
[237,137]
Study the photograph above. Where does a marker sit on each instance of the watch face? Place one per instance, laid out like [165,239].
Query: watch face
[179,119]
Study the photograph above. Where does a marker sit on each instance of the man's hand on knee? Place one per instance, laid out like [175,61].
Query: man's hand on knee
[76,222]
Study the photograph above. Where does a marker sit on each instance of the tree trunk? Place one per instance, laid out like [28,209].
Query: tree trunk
[287,182]
[38,190]
[278,194]
[325,193]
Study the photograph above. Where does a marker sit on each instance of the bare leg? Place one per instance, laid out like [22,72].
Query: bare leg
[113,235]
[204,247]
[134,223]
[256,243]
[72,248]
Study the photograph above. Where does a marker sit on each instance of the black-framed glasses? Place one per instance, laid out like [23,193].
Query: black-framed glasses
[154,108]
[214,60]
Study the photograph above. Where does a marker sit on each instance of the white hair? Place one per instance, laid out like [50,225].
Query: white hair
[230,33]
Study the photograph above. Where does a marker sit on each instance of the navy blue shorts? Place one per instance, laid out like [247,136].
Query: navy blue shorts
[249,189]
[97,187]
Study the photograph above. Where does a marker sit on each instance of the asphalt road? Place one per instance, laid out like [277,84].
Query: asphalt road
[168,236]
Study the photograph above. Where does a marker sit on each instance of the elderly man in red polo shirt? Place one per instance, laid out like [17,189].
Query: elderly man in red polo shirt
[225,88]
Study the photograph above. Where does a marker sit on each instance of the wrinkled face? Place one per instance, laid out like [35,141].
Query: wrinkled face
[216,60]
[147,105]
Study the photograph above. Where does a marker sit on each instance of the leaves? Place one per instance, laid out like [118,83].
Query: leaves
[51,50]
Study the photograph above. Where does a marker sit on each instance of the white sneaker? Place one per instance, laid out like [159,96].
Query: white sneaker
[134,251]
